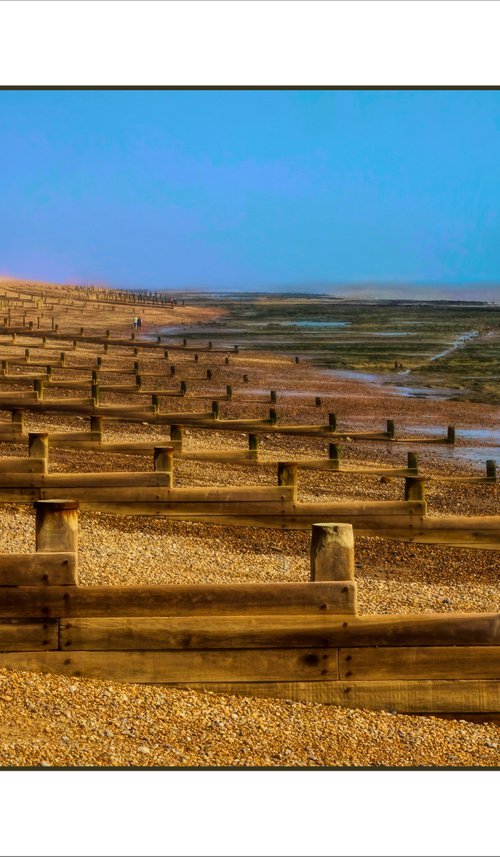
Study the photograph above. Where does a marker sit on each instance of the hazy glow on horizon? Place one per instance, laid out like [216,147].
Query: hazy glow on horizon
[246,190]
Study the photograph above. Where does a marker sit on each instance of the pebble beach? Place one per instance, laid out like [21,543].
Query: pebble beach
[51,721]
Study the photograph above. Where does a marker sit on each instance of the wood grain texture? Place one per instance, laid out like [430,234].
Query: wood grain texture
[178,600]
[22,465]
[252,515]
[176,666]
[49,569]
[274,631]
[423,697]
[98,498]
[332,552]
[27,635]
[434,629]
[140,479]
[429,662]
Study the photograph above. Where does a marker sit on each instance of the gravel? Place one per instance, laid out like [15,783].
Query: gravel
[52,721]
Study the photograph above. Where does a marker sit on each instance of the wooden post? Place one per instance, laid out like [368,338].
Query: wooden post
[138,381]
[273,417]
[332,552]
[333,453]
[94,393]
[253,445]
[49,372]
[226,361]
[136,367]
[390,429]
[209,374]
[216,410]
[287,476]
[56,526]
[38,387]
[317,402]
[412,462]
[450,437]
[210,345]
[183,388]
[245,379]
[273,397]
[38,447]
[415,488]
[177,436]
[332,421]
[98,361]
[172,369]
[5,366]
[229,391]
[96,427]
[62,358]
[296,359]
[27,355]
[236,349]
[196,358]
[18,420]
[163,460]
[491,469]
[155,401]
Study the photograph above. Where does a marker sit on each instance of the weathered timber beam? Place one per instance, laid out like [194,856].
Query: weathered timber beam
[201,632]
[47,568]
[183,666]
[418,697]
[420,662]
[177,600]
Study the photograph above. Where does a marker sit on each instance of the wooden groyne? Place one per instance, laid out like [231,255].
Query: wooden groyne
[302,641]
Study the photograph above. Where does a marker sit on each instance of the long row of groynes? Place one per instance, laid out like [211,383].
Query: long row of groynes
[303,641]
[250,456]
[97,384]
[155,492]
[26,479]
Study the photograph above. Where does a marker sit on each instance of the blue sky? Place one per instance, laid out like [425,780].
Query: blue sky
[250,189]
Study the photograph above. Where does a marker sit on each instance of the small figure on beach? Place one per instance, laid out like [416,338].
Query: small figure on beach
[139,321]
[134,322]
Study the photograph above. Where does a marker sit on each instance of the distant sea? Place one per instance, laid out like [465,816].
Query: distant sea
[489,292]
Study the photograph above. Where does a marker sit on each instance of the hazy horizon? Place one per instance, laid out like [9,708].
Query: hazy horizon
[369,291]
[405,291]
